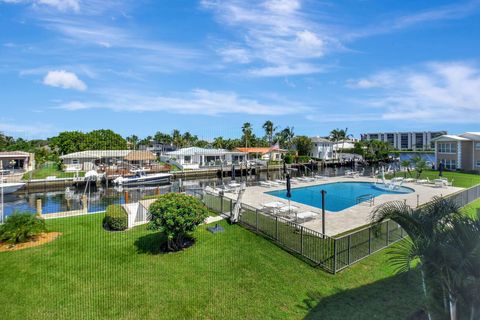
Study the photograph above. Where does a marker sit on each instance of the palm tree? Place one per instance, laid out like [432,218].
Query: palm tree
[247,133]
[269,130]
[219,143]
[288,135]
[446,244]
[406,165]
[177,138]
[335,136]
[133,141]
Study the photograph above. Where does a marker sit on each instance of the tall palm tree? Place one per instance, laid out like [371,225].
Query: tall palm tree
[177,138]
[247,133]
[219,143]
[447,245]
[335,136]
[269,130]
[133,141]
[288,134]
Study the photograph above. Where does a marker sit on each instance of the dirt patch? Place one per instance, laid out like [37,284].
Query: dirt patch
[37,241]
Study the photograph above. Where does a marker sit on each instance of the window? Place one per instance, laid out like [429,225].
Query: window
[477,145]
[75,161]
[450,164]
[419,140]
[404,141]
[391,138]
[447,147]
[478,164]
[187,159]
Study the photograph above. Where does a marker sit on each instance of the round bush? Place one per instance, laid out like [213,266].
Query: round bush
[177,215]
[21,227]
[116,218]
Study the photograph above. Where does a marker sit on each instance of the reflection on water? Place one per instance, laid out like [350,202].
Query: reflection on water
[100,198]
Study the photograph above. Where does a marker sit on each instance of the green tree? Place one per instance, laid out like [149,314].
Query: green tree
[219,143]
[177,215]
[133,141]
[163,138]
[69,141]
[420,165]
[177,139]
[247,134]
[104,139]
[405,164]
[286,137]
[269,130]
[303,144]
[446,243]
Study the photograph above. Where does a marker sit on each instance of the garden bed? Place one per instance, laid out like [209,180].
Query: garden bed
[35,242]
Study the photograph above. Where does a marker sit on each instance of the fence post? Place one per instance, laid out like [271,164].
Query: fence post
[301,240]
[256,219]
[231,207]
[388,235]
[349,244]
[276,228]
[221,204]
[370,240]
[334,256]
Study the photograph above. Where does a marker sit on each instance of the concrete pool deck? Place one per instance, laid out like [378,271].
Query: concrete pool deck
[350,218]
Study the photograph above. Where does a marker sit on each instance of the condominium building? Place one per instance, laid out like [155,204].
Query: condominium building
[458,151]
[406,140]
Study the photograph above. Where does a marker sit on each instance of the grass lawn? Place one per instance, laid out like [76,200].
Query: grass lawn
[42,173]
[89,273]
[471,208]
[462,180]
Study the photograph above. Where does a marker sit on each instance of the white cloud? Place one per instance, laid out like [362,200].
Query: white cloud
[434,92]
[64,79]
[273,36]
[62,5]
[198,101]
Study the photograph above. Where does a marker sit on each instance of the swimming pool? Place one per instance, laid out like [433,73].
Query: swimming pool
[340,195]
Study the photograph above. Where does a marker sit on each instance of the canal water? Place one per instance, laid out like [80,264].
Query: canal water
[101,197]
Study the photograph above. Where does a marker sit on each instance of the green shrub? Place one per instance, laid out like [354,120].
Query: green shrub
[303,159]
[21,227]
[116,217]
[176,215]
[288,158]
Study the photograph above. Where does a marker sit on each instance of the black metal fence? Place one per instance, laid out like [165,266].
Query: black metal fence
[332,254]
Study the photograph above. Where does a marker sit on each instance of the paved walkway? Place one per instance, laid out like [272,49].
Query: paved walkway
[350,218]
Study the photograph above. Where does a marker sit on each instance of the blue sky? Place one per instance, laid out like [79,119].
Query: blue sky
[141,66]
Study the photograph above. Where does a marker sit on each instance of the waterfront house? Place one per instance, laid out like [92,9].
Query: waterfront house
[321,148]
[458,152]
[422,140]
[16,161]
[264,153]
[195,157]
[157,148]
[106,159]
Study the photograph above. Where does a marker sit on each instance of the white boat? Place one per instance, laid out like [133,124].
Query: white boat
[141,178]
[11,187]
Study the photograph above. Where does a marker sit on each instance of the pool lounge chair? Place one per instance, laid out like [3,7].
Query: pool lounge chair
[409,180]
[265,184]
[273,183]
[423,181]
[306,215]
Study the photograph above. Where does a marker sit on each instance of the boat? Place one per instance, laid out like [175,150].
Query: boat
[11,187]
[141,178]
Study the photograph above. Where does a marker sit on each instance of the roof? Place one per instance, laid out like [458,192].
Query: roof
[140,155]
[261,150]
[200,151]
[97,154]
[320,139]
[450,137]
[471,135]
[13,154]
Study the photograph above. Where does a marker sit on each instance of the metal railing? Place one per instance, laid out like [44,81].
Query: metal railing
[332,254]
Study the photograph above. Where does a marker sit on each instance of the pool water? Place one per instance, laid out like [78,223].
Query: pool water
[339,196]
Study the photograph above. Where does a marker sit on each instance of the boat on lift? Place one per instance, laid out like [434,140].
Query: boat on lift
[141,178]
[11,187]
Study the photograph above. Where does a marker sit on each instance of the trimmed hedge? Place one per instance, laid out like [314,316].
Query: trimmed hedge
[116,218]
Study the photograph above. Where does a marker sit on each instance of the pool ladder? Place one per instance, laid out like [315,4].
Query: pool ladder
[370,198]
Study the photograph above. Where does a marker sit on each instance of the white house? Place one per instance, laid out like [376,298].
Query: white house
[195,157]
[321,148]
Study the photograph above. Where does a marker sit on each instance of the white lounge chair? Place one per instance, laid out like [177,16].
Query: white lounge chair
[423,181]
[265,184]
[306,215]
[406,180]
